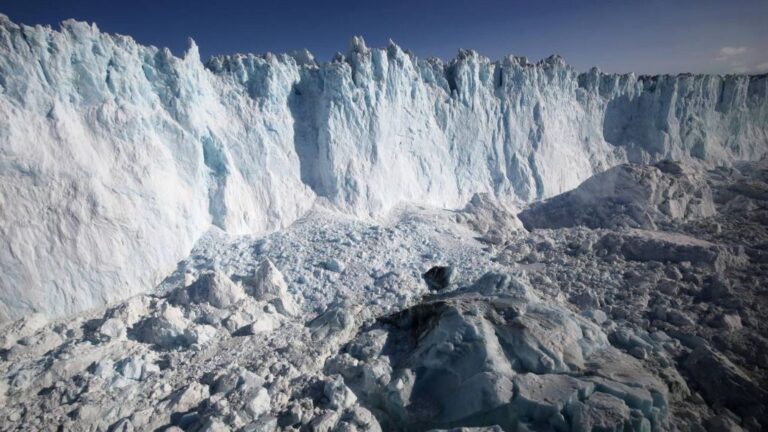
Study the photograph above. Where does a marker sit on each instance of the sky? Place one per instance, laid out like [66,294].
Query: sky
[648,37]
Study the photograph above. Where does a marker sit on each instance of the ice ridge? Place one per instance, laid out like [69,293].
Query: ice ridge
[115,157]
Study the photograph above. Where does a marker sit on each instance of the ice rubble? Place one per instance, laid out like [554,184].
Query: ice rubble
[116,157]
[554,329]
[639,196]
[496,354]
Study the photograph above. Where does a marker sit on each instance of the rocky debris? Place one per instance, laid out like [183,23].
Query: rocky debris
[723,383]
[678,318]
[439,278]
[670,249]
[628,196]
[723,423]
[728,322]
[642,245]
[716,288]
[598,316]
[188,397]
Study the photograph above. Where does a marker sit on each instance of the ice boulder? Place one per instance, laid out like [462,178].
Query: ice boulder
[113,328]
[167,328]
[214,288]
[269,285]
[495,221]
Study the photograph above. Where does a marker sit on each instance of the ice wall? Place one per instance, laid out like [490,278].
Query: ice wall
[115,157]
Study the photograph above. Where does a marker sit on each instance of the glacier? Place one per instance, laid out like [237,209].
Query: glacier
[116,157]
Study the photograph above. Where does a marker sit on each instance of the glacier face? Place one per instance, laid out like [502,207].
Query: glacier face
[116,157]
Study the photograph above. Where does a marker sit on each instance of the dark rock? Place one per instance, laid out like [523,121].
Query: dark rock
[439,277]
[716,287]
[640,245]
[723,383]
[722,423]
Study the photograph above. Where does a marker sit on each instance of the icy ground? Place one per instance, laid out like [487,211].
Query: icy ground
[645,309]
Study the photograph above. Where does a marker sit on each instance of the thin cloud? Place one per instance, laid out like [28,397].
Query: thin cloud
[762,67]
[727,52]
[732,51]
[740,67]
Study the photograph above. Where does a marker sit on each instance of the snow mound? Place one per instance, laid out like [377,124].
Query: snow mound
[495,354]
[638,196]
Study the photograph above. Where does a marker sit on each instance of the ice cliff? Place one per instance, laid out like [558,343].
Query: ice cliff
[116,157]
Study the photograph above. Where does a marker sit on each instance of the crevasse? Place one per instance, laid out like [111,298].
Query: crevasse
[116,157]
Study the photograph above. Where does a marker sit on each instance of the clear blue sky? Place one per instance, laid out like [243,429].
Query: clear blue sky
[652,36]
